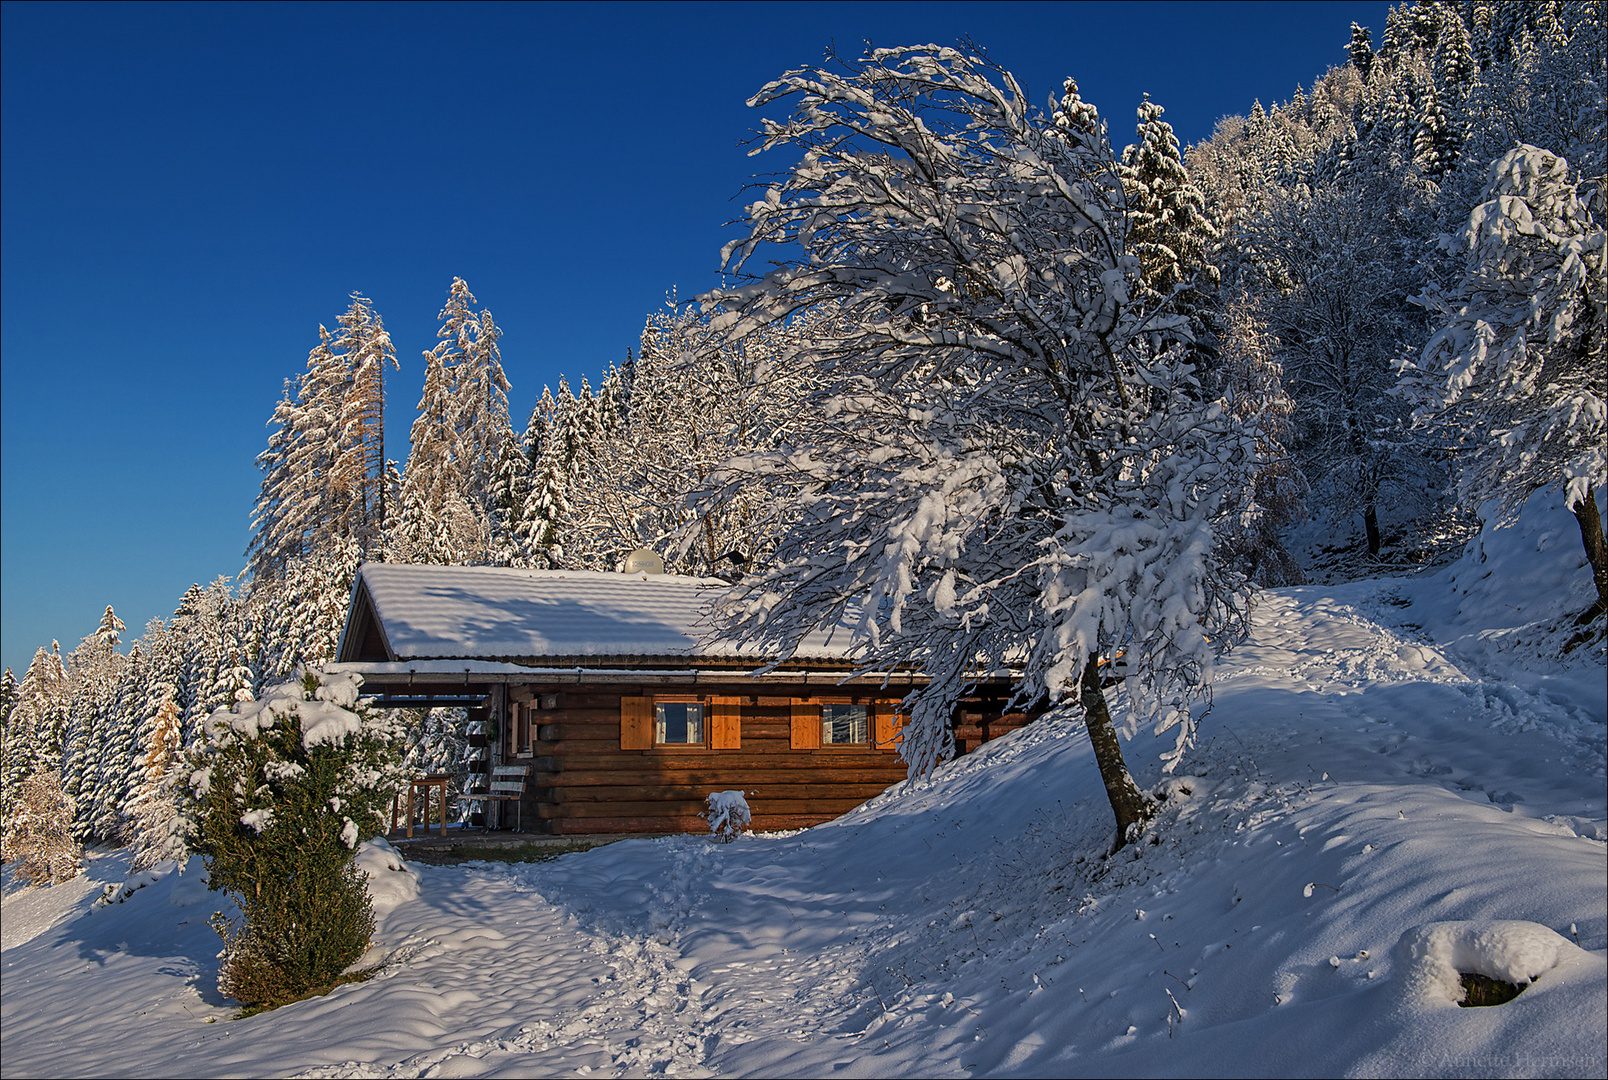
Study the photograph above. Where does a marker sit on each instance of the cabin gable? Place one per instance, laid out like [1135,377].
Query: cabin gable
[363,640]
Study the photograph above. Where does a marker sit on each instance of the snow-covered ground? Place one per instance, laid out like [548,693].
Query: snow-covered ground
[1393,785]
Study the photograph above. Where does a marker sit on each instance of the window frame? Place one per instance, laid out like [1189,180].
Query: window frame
[681,699]
[520,723]
[866,706]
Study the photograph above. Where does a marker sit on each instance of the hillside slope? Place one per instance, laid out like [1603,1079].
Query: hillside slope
[1393,784]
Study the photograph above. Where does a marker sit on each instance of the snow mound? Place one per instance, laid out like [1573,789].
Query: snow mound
[1509,575]
[391,882]
[1511,950]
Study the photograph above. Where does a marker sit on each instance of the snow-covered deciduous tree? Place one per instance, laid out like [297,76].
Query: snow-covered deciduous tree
[1003,471]
[154,806]
[1516,378]
[323,486]
[38,835]
[1340,323]
[1252,382]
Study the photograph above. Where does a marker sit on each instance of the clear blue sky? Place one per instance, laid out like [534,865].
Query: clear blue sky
[187,191]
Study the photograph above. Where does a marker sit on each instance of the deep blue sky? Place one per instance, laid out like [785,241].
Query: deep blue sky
[188,190]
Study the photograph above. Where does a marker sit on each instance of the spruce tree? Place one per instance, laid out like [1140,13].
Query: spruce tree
[1360,50]
[1168,230]
[474,420]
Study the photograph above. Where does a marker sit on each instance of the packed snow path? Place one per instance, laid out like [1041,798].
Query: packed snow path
[1356,787]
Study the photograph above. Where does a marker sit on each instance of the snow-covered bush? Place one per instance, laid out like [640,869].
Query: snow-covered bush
[727,814]
[285,787]
[39,833]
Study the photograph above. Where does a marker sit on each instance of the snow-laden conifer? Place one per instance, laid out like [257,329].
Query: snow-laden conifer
[694,401]
[1168,230]
[154,805]
[284,789]
[94,737]
[34,727]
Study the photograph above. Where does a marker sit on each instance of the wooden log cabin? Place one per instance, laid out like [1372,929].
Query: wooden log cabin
[610,688]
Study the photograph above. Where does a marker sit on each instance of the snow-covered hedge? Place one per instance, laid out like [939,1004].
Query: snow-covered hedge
[285,788]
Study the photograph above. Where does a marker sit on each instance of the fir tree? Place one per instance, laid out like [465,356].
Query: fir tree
[1360,50]
[1168,230]
[466,401]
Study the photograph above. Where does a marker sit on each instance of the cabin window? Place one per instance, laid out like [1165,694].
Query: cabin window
[844,723]
[670,720]
[678,723]
[520,729]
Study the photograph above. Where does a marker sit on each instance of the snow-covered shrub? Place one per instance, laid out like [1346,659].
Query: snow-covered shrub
[39,833]
[285,787]
[727,814]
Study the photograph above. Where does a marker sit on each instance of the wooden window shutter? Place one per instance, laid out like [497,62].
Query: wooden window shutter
[725,723]
[806,724]
[636,723]
[890,725]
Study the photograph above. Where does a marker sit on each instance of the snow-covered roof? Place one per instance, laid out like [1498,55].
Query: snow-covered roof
[503,613]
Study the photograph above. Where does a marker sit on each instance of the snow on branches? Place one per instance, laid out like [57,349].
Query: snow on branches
[283,791]
[1520,355]
[307,749]
[1003,469]
[1515,379]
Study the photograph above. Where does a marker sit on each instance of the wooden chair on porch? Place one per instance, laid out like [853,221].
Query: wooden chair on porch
[507,785]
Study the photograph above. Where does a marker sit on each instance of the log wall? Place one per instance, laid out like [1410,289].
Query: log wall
[581,781]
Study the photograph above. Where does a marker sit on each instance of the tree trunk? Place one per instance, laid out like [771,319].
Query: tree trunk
[1591,535]
[1127,801]
[1370,521]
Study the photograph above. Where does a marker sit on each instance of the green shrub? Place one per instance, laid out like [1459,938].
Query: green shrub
[284,788]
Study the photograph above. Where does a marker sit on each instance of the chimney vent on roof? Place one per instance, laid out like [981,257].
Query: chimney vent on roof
[642,561]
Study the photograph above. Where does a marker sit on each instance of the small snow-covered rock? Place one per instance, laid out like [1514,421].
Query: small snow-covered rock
[1511,950]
